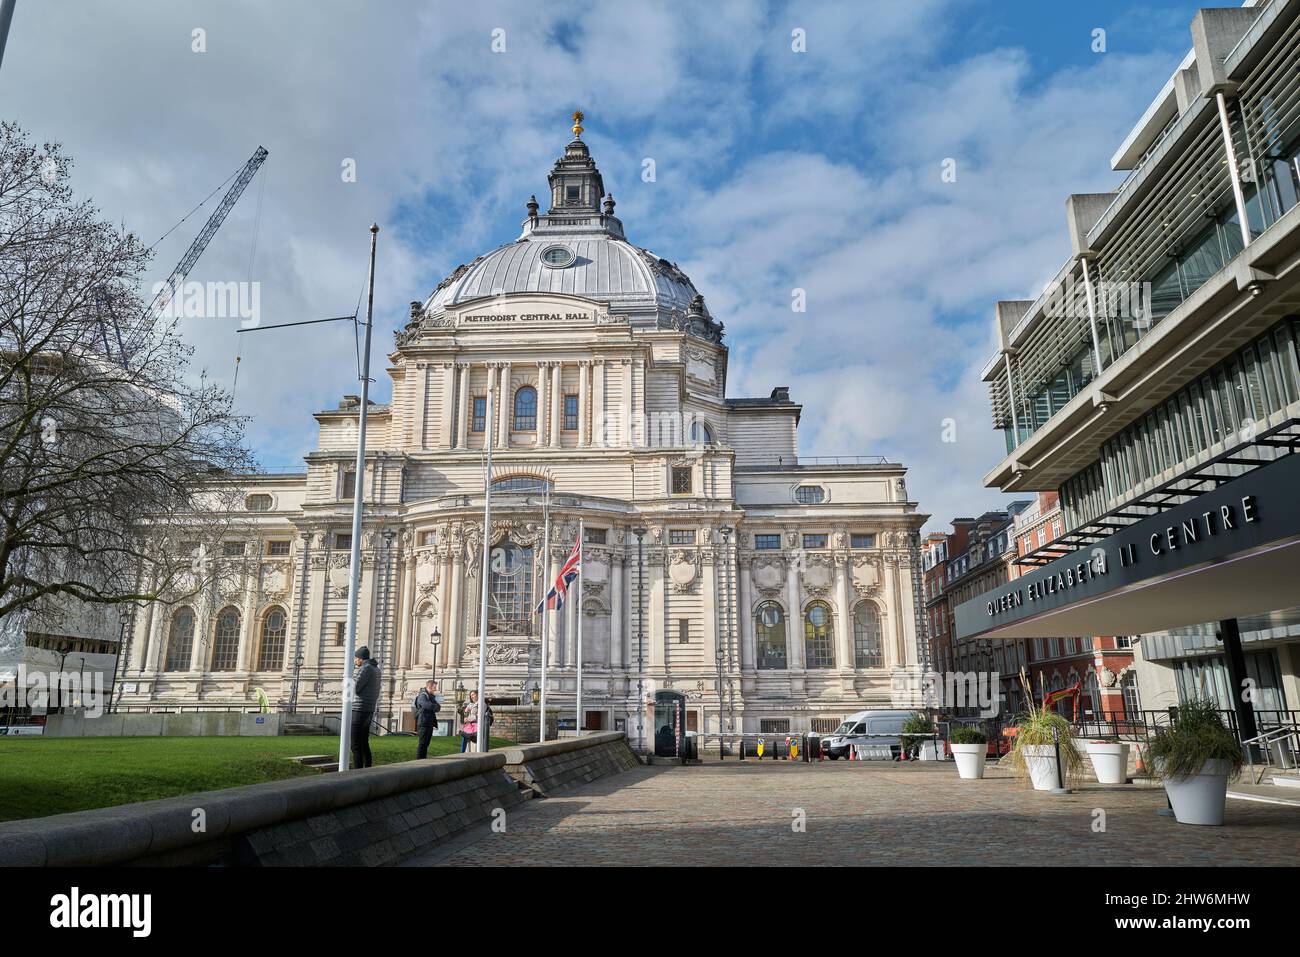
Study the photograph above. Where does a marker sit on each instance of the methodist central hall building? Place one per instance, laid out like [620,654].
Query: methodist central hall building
[722,571]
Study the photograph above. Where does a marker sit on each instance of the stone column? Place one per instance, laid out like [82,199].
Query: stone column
[248,626]
[405,631]
[843,620]
[711,607]
[600,427]
[637,406]
[584,400]
[617,570]
[505,407]
[543,404]
[460,429]
[655,606]
[745,616]
[625,413]
[557,402]
[444,603]
[794,618]
[455,630]
[448,424]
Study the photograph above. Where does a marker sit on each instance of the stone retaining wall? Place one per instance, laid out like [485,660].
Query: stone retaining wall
[557,765]
[186,724]
[369,817]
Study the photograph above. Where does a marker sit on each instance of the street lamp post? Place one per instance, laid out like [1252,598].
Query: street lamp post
[122,649]
[435,640]
[639,532]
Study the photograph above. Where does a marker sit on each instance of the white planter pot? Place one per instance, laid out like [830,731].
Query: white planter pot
[970,759]
[1200,799]
[1109,761]
[1040,760]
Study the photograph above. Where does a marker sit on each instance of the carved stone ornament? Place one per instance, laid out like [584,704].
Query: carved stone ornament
[816,579]
[767,573]
[1108,679]
[682,573]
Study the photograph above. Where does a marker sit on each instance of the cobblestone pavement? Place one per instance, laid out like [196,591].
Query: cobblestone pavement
[861,814]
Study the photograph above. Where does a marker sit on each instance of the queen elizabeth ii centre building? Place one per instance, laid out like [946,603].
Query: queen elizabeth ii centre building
[760,590]
[1155,385]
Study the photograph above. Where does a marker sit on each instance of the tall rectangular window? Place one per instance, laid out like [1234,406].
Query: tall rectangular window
[683,631]
[570,413]
[478,414]
[682,480]
[348,490]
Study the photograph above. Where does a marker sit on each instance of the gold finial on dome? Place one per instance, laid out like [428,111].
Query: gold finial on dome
[577,123]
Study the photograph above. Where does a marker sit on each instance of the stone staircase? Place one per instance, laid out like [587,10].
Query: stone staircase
[302,728]
[317,762]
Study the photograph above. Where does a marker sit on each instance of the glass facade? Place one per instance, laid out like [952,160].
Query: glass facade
[1222,407]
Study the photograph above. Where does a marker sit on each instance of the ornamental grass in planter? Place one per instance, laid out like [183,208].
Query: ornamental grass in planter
[1033,755]
[1195,757]
[969,749]
[917,729]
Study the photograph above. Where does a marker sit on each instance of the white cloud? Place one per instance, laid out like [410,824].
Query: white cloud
[775,170]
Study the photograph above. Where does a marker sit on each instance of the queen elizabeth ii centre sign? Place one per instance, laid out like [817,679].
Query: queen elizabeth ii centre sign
[1226,553]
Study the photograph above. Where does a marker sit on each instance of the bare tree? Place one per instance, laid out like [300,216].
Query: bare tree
[112,451]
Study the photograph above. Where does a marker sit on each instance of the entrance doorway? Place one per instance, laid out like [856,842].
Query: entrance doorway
[670,719]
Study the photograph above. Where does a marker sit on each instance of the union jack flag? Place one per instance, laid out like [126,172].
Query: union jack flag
[554,599]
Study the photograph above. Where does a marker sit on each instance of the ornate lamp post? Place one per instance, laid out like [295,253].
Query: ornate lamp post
[434,641]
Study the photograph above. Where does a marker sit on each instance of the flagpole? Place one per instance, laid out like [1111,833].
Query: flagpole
[358,496]
[485,573]
[578,611]
[546,577]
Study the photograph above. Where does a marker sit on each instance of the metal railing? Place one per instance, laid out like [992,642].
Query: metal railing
[1281,743]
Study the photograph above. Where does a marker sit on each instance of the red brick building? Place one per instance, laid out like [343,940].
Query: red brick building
[1103,665]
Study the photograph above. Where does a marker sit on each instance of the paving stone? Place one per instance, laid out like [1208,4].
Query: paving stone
[863,814]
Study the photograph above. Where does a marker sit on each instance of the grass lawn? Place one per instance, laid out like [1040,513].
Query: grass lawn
[40,776]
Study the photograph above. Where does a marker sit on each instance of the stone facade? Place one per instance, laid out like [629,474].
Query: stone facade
[762,587]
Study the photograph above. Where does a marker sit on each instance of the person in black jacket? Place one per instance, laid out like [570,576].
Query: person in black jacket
[426,719]
[363,707]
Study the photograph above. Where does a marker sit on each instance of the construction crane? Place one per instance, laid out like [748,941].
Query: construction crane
[177,277]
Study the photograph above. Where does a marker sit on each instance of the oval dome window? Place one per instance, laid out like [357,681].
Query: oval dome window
[557,256]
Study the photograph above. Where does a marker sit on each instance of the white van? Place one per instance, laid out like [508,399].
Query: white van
[856,728]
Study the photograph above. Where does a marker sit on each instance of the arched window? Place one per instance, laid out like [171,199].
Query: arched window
[701,434]
[225,643]
[818,643]
[270,653]
[1058,684]
[180,641]
[866,636]
[769,635]
[1091,698]
[1132,703]
[526,409]
[520,483]
[510,590]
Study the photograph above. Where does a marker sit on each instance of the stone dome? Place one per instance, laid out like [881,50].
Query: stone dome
[577,247]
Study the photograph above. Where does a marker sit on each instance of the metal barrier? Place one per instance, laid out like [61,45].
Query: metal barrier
[800,746]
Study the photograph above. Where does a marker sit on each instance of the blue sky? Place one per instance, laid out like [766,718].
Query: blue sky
[775,170]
